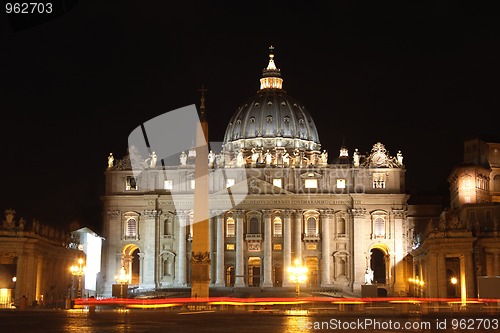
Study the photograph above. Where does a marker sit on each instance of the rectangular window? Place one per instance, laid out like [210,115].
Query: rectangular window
[311,247]
[467,199]
[230,247]
[311,183]
[230,227]
[341,183]
[277,247]
[168,185]
[193,183]
[277,182]
[378,180]
[278,227]
[230,182]
[131,184]
[379,226]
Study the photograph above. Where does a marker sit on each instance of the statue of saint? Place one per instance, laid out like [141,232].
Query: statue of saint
[239,159]
[368,276]
[400,157]
[22,223]
[255,156]
[324,157]
[355,157]
[183,158]
[296,158]
[153,160]
[269,157]
[219,160]
[286,159]
[211,158]
[111,160]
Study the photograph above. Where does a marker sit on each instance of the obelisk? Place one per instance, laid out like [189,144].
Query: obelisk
[200,256]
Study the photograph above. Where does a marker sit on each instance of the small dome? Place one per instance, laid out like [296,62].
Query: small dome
[271,118]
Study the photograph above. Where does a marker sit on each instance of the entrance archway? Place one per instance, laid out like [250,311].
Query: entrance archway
[254,272]
[378,263]
[131,263]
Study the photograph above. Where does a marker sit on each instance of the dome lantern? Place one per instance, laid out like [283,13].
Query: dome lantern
[271,76]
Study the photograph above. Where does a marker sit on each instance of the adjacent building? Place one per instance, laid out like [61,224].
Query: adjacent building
[34,262]
[458,247]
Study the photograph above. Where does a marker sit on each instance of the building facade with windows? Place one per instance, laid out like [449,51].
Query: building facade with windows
[275,196]
[34,262]
[460,247]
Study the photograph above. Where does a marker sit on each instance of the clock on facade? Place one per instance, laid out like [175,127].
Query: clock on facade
[379,158]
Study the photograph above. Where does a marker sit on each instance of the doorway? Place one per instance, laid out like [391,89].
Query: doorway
[254,272]
[378,265]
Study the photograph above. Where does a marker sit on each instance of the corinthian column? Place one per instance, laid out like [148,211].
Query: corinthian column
[181,267]
[298,235]
[219,273]
[287,246]
[326,219]
[268,251]
[239,280]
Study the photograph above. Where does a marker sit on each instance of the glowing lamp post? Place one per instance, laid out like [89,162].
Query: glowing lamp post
[78,270]
[298,275]
[122,279]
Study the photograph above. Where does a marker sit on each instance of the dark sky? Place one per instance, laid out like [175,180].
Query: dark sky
[418,76]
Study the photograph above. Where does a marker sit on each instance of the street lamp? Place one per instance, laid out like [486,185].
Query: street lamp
[78,270]
[122,279]
[298,275]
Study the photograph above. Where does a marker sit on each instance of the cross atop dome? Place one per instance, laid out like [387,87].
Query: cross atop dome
[271,76]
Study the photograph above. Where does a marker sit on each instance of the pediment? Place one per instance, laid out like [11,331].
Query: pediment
[253,185]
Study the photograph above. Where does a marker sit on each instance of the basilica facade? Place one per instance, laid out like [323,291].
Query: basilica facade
[343,215]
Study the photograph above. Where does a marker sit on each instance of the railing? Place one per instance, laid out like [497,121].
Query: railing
[253,237]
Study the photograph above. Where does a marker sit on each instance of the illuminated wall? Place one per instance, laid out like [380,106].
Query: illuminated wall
[92,248]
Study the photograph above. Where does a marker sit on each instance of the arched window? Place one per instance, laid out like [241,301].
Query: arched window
[230,227]
[341,226]
[168,227]
[131,228]
[254,226]
[311,226]
[277,227]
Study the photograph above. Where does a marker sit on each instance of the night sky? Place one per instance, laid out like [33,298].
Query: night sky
[418,76]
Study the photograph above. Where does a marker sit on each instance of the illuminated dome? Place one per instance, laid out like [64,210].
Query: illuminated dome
[271,119]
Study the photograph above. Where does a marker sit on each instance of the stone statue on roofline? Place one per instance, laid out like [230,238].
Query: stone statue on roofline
[111,160]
